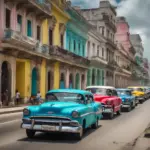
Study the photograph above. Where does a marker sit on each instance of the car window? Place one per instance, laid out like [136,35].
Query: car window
[97,90]
[89,99]
[109,92]
[114,93]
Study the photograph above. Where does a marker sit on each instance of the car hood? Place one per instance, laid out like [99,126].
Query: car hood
[55,108]
[101,98]
[138,93]
[124,97]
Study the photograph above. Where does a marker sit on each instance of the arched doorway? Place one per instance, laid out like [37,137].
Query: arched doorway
[77,81]
[62,81]
[83,82]
[6,82]
[70,81]
[34,87]
[93,76]
[50,80]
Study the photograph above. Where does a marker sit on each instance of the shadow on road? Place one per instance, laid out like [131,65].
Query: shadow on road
[57,137]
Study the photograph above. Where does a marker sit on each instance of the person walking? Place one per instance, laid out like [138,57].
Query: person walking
[17,97]
[38,97]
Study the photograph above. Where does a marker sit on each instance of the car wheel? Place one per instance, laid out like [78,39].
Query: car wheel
[95,125]
[133,105]
[111,115]
[141,101]
[119,112]
[129,108]
[30,133]
[79,135]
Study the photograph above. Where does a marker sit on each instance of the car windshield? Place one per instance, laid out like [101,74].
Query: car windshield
[65,96]
[124,92]
[136,89]
[97,91]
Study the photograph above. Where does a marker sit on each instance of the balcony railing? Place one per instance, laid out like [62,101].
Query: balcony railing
[99,59]
[17,39]
[64,55]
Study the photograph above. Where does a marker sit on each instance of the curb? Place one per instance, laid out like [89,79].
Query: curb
[147,132]
[12,111]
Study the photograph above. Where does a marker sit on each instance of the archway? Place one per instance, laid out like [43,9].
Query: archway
[34,88]
[77,81]
[82,82]
[70,81]
[50,80]
[62,81]
[93,76]
[6,83]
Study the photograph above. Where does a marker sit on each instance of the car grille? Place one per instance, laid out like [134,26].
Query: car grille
[53,121]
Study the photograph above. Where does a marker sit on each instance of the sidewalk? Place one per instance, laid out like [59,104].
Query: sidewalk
[12,109]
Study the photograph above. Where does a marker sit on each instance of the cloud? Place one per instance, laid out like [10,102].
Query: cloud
[136,12]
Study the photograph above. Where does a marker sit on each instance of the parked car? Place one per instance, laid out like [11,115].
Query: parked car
[128,100]
[109,99]
[65,110]
[138,93]
[146,91]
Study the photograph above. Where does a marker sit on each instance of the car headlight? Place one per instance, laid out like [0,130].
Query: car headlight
[75,114]
[26,111]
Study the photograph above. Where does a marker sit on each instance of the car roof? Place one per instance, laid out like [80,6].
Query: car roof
[104,87]
[70,91]
[119,89]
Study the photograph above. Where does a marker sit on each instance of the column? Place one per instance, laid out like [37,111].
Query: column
[13,17]
[67,78]
[105,78]
[0,85]
[2,18]
[56,75]
[24,23]
[85,79]
[34,28]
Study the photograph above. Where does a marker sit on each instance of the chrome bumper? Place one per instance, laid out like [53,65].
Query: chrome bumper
[49,128]
[125,106]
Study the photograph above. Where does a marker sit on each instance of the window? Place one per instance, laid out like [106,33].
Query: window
[8,17]
[50,37]
[19,23]
[98,52]
[62,40]
[83,51]
[79,48]
[69,43]
[29,28]
[114,92]
[38,33]
[102,52]
[74,45]
[102,30]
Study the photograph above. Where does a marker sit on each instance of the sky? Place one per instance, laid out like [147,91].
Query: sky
[137,13]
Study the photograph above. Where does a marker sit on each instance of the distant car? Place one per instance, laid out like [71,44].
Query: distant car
[146,91]
[65,110]
[109,99]
[128,100]
[138,93]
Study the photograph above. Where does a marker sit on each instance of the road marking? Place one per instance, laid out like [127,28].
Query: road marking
[7,122]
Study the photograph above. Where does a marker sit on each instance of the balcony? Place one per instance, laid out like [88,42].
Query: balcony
[62,55]
[112,64]
[112,44]
[15,41]
[108,21]
[42,8]
[96,60]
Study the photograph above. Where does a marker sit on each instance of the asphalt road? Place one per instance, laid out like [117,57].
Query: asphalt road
[111,135]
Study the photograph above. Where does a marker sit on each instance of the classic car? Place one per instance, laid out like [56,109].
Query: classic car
[64,110]
[109,99]
[138,93]
[146,91]
[128,100]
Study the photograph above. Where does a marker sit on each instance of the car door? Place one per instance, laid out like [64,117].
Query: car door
[116,100]
[91,112]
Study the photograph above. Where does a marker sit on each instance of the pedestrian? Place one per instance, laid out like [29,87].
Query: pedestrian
[38,97]
[17,97]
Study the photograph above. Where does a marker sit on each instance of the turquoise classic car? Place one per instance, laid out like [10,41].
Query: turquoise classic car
[64,110]
[128,100]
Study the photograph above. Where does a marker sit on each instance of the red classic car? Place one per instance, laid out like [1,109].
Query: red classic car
[109,99]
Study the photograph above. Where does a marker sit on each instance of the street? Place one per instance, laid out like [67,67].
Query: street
[111,135]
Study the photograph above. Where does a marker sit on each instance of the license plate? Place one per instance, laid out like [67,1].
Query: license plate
[107,110]
[48,128]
